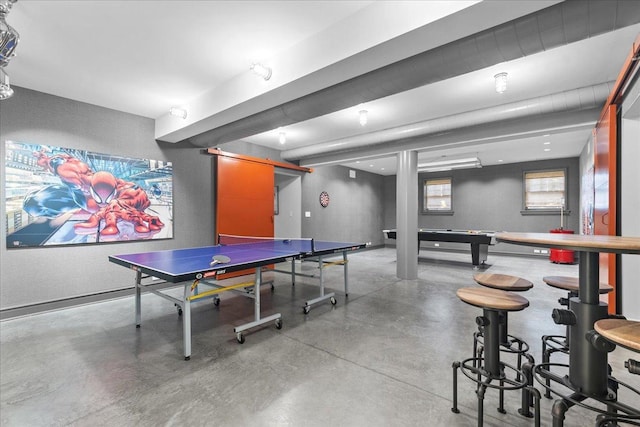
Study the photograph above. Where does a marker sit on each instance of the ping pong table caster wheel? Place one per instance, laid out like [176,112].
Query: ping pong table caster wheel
[278,323]
[240,337]
[179,309]
[333,301]
[306,309]
[216,301]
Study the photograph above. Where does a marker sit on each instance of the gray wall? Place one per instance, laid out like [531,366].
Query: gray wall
[490,198]
[355,211]
[35,275]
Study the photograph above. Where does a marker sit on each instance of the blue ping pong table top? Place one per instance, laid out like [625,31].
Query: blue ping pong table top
[178,265]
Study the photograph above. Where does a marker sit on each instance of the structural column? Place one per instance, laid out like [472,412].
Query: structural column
[407,215]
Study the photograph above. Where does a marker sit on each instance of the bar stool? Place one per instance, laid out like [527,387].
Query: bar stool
[560,343]
[504,282]
[625,333]
[484,370]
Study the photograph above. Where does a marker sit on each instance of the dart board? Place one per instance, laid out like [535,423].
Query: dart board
[324,199]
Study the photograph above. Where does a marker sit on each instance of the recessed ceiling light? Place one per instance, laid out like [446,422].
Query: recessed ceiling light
[547,143]
[547,149]
[500,161]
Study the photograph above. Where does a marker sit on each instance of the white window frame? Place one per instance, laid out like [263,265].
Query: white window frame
[445,200]
[544,190]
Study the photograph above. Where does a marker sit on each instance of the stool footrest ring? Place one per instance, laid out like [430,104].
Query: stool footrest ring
[475,373]
[542,373]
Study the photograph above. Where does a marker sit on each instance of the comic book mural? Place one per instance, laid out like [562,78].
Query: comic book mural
[62,196]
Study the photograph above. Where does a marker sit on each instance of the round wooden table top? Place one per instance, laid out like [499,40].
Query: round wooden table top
[494,299]
[575,242]
[570,283]
[503,281]
[620,331]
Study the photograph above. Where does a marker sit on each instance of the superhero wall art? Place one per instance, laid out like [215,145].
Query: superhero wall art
[62,196]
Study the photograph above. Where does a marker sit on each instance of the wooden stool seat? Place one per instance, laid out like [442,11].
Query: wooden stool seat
[504,282]
[620,331]
[571,284]
[493,299]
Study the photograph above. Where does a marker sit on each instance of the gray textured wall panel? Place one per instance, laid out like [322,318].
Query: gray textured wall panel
[355,212]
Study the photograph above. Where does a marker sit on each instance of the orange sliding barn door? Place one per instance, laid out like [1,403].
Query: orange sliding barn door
[605,184]
[244,197]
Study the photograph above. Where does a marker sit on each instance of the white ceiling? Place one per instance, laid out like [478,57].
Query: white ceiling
[143,57]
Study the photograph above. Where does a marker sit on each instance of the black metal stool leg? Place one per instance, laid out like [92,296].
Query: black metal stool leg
[455,367]
[480,393]
[527,371]
[560,407]
[501,399]
[536,395]
[545,359]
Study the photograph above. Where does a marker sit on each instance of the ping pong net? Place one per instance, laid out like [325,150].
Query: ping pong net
[301,245]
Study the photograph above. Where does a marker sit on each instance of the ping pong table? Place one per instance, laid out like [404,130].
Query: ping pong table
[192,267]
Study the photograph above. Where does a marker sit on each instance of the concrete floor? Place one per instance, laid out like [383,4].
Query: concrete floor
[380,358]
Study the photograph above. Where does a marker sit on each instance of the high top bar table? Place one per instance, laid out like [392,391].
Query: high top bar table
[588,373]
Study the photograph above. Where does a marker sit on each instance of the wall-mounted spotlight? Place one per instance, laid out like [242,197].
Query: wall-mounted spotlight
[178,112]
[9,37]
[261,70]
[363,117]
[501,82]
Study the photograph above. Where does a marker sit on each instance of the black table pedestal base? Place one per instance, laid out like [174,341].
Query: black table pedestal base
[615,409]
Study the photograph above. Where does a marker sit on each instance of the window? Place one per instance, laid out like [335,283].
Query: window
[545,190]
[437,195]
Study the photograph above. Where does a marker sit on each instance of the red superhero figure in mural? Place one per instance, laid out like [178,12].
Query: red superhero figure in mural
[74,173]
[119,200]
[106,197]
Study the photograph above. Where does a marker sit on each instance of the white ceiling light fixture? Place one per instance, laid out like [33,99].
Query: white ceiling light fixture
[178,112]
[501,82]
[363,117]
[282,137]
[446,165]
[261,70]
[5,88]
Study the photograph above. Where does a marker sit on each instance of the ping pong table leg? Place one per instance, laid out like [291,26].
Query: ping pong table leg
[186,321]
[322,297]
[346,275]
[256,293]
[138,303]
[321,267]
[293,271]
[258,320]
